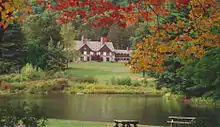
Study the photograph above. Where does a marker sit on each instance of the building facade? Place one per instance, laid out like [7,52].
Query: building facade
[100,51]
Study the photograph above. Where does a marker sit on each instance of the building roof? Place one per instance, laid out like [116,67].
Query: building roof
[94,45]
[109,45]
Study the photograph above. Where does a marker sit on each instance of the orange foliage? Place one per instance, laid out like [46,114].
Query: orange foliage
[8,8]
[195,37]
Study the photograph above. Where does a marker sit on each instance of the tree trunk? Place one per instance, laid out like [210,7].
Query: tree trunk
[143,73]
[1,33]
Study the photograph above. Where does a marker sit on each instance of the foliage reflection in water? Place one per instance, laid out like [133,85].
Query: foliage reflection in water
[105,108]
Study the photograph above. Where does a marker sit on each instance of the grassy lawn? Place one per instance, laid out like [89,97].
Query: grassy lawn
[100,70]
[71,123]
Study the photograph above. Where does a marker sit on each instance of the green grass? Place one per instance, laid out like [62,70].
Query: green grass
[100,70]
[71,123]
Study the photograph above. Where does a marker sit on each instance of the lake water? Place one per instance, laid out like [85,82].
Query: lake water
[106,108]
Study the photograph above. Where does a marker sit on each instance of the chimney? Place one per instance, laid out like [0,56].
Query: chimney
[128,49]
[101,40]
[82,39]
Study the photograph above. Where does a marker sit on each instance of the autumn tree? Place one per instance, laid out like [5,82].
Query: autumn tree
[187,39]
[12,11]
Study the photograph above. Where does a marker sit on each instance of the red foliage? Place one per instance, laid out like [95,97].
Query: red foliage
[108,12]
[6,86]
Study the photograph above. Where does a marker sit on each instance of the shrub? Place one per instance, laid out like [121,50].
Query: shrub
[61,74]
[136,83]
[85,79]
[28,115]
[14,78]
[18,86]
[8,66]
[6,86]
[32,72]
[47,86]
[113,81]
[144,82]
[124,81]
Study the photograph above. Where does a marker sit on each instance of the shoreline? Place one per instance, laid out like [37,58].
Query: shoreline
[65,86]
[77,123]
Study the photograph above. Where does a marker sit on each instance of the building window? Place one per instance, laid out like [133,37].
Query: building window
[91,53]
[104,53]
[107,59]
[84,52]
[110,53]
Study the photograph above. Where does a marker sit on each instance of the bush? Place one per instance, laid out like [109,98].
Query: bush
[61,74]
[113,81]
[121,81]
[136,83]
[18,86]
[32,72]
[47,86]
[14,78]
[28,115]
[124,81]
[144,82]
[85,79]
[8,66]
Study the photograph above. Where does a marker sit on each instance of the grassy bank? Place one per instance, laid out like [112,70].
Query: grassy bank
[83,77]
[67,86]
[88,78]
[71,123]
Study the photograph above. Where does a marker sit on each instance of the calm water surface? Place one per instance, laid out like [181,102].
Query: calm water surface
[149,110]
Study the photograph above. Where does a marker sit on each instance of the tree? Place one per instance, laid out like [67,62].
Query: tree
[12,11]
[68,36]
[12,49]
[120,36]
[43,39]
[41,27]
[187,40]
[101,12]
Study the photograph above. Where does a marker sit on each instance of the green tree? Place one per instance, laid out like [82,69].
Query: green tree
[44,45]
[68,36]
[41,27]
[12,53]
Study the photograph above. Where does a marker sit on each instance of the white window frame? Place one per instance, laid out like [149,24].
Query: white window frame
[91,53]
[85,52]
[104,53]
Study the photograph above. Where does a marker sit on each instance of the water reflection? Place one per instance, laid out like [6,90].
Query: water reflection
[149,110]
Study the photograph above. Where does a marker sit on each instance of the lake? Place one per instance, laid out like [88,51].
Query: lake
[106,108]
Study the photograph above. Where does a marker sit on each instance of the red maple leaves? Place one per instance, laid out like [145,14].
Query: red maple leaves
[101,12]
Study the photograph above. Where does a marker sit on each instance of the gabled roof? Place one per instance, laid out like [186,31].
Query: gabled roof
[94,45]
[109,45]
